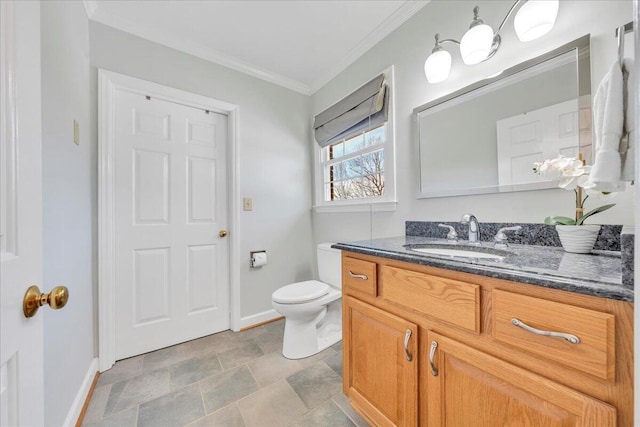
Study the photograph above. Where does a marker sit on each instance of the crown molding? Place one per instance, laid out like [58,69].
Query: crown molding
[399,17]
[408,9]
[195,49]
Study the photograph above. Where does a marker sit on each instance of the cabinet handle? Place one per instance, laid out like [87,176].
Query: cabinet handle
[358,276]
[569,337]
[407,336]
[432,352]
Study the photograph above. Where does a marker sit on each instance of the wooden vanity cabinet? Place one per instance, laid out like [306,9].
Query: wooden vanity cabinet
[470,388]
[382,373]
[485,371]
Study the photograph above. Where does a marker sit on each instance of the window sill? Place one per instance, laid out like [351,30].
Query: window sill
[357,207]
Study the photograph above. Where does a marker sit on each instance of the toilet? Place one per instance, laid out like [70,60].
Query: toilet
[312,309]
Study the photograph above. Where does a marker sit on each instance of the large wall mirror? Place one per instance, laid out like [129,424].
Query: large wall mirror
[485,138]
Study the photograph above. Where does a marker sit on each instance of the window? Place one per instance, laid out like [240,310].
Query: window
[354,168]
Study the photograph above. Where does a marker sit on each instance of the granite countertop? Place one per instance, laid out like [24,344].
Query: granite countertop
[597,274]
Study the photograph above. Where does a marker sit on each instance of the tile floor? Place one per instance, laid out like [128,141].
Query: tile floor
[228,379]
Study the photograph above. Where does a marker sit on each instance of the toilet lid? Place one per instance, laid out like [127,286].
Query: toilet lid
[300,292]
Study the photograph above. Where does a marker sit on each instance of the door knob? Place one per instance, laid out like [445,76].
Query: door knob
[34,299]
[222,233]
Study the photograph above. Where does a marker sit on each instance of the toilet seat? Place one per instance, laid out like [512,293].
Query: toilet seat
[300,292]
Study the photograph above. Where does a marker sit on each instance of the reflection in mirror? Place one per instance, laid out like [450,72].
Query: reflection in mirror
[485,138]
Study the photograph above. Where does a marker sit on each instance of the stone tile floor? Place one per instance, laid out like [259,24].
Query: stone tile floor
[227,379]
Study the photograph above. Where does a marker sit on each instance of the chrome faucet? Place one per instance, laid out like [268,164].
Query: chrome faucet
[474,228]
[500,239]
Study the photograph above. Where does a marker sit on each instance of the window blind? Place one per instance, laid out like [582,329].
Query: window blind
[363,109]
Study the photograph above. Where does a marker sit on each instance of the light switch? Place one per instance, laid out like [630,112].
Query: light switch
[76,133]
[247,204]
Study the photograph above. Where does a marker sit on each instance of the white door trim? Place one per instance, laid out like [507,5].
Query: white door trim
[108,83]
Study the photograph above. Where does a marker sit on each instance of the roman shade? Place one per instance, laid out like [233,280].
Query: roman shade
[364,109]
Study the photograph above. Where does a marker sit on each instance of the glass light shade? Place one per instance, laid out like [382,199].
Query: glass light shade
[437,66]
[476,44]
[535,19]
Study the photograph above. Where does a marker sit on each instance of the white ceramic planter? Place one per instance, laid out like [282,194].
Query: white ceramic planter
[578,239]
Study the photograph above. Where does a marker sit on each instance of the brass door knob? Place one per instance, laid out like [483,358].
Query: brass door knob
[34,299]
[222,233]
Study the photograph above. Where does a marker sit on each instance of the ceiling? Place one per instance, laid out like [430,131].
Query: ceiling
[298,44]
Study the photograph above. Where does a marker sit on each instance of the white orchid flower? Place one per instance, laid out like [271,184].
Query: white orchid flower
[571,174]
[569,182]
[548,169]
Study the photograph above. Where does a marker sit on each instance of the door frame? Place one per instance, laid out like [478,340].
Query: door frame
[108,83]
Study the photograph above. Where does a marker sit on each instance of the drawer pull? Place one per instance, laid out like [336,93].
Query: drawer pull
[432,352]
[358,276]
[407,336]
[569,337]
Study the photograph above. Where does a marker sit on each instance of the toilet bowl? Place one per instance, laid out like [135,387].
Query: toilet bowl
[312,309]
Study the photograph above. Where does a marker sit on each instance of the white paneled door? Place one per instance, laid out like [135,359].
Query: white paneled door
[533,137]
[21,339]
[172,256]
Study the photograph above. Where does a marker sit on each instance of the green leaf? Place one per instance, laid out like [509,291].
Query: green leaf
[593,212]
[564,220]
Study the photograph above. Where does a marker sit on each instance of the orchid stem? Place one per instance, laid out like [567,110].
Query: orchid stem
[579,203]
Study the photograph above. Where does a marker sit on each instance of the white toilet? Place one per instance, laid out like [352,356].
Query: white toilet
[312,309]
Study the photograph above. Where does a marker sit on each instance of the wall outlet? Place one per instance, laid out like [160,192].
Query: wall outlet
[247,204]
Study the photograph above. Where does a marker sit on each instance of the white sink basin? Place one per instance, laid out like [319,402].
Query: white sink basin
[457,253]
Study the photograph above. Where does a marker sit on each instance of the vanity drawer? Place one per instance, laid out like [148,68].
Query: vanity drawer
[594,354]
[445,299]
[359,276]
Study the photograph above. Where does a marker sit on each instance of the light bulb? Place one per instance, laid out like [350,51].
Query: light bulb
[437,66]
[535,19]
[476,44]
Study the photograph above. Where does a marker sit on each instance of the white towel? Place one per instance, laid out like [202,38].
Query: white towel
[608,116]
[627,150]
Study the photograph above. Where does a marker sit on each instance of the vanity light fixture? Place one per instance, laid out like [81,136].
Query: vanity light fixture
[534,19]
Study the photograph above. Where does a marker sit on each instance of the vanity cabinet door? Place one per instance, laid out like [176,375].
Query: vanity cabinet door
[472,388]
[380,364]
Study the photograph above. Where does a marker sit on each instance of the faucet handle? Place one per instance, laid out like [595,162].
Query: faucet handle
[452,235]
[500,238]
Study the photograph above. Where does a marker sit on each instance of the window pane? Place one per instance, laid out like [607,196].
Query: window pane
[373,137]
[339,172]
[354,144]
[356,188]
[371,163]
[337,151]
[373,184]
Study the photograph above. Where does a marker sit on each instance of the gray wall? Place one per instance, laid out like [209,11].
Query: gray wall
[68,190]
[407,48]
[273,152]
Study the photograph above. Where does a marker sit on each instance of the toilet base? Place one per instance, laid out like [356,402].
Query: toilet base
[304,339]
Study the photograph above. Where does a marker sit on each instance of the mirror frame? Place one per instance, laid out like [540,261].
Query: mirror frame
[583,58]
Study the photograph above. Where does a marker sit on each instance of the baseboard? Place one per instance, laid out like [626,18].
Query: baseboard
[81,396]
[266,322]
[262,317]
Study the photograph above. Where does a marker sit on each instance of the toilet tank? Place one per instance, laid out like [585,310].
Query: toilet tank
[330,265]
